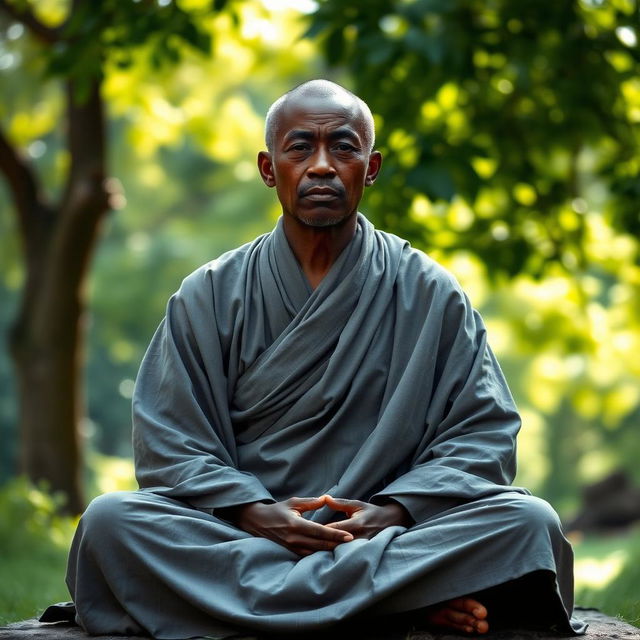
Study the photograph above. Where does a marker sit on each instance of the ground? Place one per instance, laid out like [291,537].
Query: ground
[601,627]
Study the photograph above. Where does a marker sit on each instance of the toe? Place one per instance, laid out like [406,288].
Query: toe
[482,626]
[461,614]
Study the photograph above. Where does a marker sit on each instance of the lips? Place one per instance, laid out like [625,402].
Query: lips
[320,193]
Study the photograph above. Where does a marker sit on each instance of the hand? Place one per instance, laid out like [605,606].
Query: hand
[366,519]
[283,523]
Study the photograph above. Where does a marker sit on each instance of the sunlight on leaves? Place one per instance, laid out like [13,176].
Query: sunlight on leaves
[533,463]
[113,474]
[592,572]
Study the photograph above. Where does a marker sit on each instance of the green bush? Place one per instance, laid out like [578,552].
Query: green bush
[35,538]
[34,542]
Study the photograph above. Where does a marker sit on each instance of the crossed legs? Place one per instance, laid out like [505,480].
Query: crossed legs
[505,605]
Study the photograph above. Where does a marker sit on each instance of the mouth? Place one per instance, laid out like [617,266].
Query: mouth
[320,194]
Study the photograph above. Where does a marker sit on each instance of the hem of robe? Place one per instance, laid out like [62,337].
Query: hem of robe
[221,629]
[423,584]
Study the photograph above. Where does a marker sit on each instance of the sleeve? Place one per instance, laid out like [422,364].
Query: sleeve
[468,450]
[183,441]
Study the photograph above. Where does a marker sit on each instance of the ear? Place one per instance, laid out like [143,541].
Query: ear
[265,167]
[375,162]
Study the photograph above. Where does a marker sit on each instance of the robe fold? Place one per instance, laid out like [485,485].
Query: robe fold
[377,385]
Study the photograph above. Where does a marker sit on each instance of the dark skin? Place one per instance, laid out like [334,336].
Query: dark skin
[283,523]
[320,164]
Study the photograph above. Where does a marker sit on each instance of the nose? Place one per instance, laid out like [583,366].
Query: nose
[321,164]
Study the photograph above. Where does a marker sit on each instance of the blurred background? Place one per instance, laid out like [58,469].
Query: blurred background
[128,136]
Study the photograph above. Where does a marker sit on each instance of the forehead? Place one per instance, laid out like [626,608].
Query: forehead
[310,112]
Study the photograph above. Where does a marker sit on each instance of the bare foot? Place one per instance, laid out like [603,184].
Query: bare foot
[461,614]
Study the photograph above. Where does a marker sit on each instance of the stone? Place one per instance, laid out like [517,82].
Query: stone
[601,627]
[610,504]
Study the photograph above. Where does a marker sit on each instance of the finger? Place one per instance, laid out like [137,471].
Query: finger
[305,551]
[301,551]
[305,504]
[344,505]
[311,544]
[352,525]
[356,528]
[316,531]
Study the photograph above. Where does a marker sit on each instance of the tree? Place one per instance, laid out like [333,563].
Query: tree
[59,233]
[519,112]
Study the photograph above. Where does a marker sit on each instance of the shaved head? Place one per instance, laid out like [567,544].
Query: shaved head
[319,89]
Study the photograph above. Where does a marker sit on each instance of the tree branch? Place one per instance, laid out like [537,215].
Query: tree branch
[86,198]
[22,184]
[29,20]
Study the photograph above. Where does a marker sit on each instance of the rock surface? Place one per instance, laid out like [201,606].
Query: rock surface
[601,627]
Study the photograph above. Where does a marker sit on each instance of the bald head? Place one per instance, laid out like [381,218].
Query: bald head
[319,90]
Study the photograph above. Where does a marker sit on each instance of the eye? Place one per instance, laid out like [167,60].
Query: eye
[344,146]
[299,146]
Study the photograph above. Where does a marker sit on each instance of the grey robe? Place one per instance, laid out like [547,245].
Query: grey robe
[378,384]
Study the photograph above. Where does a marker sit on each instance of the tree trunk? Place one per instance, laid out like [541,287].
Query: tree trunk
[47,337]
[47,362]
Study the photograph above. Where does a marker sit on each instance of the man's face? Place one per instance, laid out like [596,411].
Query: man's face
[320,161]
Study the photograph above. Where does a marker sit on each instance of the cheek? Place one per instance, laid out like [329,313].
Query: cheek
[287,180]
[356,177]
[356,182]
[286,193]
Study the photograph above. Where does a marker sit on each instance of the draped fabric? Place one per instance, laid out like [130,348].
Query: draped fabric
[378,384]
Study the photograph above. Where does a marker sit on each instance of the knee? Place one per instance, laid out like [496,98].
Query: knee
[105,514]
[535,514]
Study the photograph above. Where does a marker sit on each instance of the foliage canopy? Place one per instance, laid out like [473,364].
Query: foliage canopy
[523,113]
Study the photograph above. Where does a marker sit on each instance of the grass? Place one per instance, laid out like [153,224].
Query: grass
[607,570]
[34,542]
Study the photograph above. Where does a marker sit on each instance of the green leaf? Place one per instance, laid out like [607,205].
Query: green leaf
[334,46]
[433,179]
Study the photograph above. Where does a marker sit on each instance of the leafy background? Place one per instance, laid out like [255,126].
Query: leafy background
[510,135]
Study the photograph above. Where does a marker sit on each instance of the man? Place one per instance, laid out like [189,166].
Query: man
[330,360]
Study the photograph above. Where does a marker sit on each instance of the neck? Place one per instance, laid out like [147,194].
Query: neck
[317,248]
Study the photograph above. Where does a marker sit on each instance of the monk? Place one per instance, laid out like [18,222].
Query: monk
[330,360]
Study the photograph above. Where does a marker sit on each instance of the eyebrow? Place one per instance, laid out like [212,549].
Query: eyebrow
[344,132]
[341,132]
[299,133]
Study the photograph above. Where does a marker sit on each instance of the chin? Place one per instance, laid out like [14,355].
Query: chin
[322,220]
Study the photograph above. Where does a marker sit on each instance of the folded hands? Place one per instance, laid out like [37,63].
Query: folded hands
[283,523]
